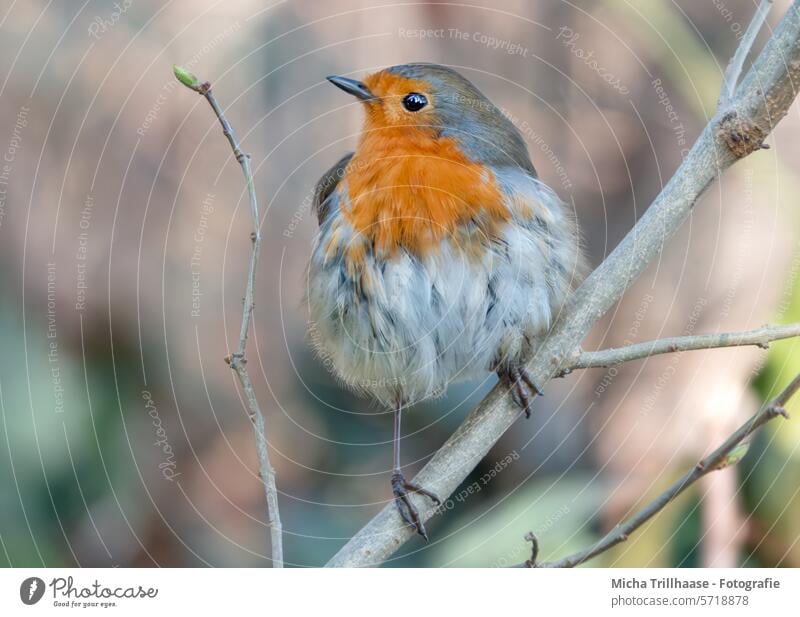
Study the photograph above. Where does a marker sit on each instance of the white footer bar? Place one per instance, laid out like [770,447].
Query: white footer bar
[390,592]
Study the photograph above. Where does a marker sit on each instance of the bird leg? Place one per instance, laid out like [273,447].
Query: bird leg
[402,487]
[522,387]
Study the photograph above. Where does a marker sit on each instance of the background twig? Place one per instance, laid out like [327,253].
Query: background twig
[734,68]
[761,337]
[238,360]
[761,100]
[718,459]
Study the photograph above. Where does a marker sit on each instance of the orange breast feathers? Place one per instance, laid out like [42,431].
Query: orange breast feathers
[407,188]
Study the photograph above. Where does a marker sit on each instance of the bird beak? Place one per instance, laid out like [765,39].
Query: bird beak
[357,88]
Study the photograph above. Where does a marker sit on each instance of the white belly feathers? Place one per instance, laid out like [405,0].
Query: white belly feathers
[422,323]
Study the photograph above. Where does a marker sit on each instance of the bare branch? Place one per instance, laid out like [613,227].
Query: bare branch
[238,360]
[761,100]
[734,68]
[761,337]
[722,457]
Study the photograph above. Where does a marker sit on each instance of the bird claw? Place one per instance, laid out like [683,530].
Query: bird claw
[526,377]
[521,388]
[401,488]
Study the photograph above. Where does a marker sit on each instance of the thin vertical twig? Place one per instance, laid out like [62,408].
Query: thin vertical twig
[238,359]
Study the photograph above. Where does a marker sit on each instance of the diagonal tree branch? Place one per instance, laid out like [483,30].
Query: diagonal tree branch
[736,130]
[726,454]
[761,337]
[238,360]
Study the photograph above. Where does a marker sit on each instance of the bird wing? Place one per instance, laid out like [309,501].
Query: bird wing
[326,185]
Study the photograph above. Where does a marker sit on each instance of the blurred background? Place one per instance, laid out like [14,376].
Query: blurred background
[124,243]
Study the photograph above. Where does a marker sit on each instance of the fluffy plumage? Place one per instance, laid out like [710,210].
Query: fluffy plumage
[440,255]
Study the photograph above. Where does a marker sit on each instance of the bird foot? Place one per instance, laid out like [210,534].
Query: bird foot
[401,488]
[523,389]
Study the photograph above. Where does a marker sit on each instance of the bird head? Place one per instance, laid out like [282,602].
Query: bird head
[433,102]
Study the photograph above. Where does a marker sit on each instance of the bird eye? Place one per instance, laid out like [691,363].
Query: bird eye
[414,101]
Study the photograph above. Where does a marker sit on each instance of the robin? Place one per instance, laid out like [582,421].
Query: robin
[440,254]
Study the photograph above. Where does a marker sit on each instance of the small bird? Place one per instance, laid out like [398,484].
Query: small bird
[440,256]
